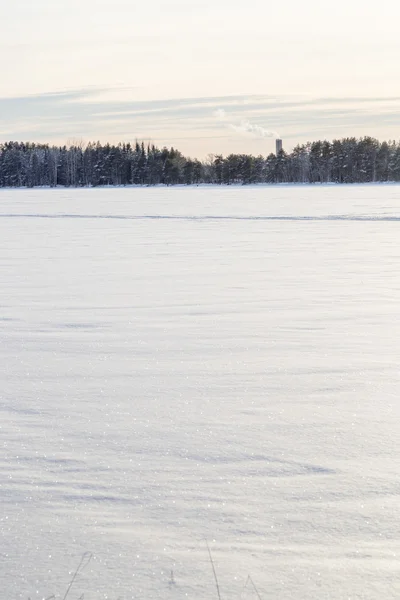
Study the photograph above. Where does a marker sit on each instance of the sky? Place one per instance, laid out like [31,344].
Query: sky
[206,77]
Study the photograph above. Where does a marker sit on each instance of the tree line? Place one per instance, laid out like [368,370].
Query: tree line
[348,160]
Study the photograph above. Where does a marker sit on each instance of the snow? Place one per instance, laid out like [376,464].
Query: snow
[191,364]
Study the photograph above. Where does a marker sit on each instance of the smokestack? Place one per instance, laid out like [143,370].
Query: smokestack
[279,146]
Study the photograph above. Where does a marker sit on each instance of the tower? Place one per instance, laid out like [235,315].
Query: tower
[279,146]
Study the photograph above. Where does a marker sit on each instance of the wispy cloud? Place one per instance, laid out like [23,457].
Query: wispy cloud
[199,125]
[220,114]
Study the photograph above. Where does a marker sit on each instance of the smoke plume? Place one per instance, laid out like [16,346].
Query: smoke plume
[245,127]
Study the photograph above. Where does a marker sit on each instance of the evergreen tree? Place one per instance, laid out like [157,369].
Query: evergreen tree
[348,160]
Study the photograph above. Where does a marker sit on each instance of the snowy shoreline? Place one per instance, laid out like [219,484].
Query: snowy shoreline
[206,185]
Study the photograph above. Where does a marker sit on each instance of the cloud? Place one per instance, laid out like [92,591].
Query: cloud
[220,114]
[197,125]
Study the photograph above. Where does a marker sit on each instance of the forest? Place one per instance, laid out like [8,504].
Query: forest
[348,160]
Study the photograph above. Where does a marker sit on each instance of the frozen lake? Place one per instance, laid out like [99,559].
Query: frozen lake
[207,363]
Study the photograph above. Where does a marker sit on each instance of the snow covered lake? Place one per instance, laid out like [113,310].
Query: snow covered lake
[186,364]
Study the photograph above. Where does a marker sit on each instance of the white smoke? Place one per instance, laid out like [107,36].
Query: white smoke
[256,130]
[220,114]
[245,127]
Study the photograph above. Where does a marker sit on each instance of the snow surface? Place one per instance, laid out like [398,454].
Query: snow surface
[187,364]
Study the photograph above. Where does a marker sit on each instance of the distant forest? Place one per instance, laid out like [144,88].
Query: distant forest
[347,160]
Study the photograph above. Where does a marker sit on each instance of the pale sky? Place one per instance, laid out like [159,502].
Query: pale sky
[205,77]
